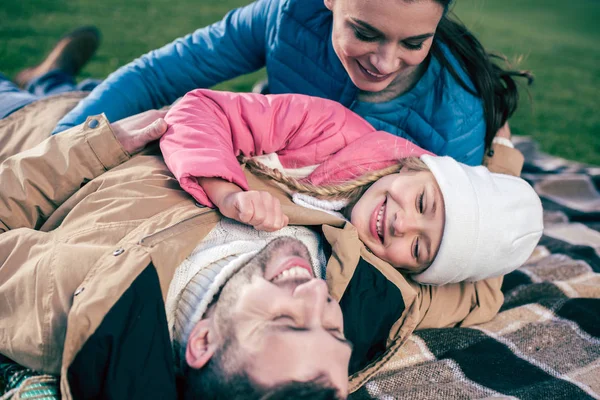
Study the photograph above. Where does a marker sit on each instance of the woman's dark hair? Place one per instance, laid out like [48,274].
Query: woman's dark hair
[493,84]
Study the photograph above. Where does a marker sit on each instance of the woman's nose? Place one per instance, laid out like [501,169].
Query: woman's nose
[386,60]
[314,295]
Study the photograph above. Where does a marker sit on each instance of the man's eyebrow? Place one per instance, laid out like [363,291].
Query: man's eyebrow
[291,328]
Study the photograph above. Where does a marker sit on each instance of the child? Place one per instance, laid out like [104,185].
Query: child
[428,216]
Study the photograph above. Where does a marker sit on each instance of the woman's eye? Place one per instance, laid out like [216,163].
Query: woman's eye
[364,37]
[413,46]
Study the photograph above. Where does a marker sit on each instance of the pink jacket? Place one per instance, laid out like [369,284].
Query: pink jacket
[209,129]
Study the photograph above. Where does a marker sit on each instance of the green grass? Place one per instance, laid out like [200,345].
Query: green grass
[557,40]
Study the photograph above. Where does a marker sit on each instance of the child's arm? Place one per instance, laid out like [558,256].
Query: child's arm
[257,208]
[459,304]
[208,130]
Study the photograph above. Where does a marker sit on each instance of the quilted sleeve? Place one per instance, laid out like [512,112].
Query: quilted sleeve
[221,51]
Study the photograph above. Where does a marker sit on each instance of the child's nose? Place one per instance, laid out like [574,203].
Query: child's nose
[405,223]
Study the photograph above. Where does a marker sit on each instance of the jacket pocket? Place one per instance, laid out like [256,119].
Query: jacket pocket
[201,217]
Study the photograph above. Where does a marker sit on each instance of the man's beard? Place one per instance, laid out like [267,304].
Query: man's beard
[228,298]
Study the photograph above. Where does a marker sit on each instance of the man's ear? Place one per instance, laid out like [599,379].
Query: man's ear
[328,4]
[201,344]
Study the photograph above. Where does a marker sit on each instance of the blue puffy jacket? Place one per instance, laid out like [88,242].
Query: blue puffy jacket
[292,38]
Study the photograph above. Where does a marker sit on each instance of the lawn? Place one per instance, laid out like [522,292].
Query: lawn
[557,40]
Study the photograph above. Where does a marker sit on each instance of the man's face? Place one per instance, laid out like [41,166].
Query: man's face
[285,325]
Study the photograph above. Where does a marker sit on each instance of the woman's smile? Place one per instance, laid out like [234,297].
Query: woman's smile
[371,75]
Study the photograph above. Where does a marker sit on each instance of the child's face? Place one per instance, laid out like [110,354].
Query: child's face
[401,219]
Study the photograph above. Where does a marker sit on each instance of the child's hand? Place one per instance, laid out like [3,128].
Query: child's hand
[257,208]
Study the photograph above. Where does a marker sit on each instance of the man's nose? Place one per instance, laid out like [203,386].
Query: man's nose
[386,59]
[313,295]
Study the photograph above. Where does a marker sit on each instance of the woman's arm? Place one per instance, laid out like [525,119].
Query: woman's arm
[231,47]
[208,130]
[502,157]
[37,181]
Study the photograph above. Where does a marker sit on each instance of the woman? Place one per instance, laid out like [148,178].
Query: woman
[428,216]
[405,66]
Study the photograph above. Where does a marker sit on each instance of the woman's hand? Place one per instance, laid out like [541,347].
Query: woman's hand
[504,131]
[135,132]
[256,208]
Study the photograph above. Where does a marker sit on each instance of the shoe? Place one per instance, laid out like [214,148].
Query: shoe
[70,54]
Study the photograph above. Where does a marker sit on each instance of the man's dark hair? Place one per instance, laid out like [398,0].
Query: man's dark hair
[212,382]
[318,389]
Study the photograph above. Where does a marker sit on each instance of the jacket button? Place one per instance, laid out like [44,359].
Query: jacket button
[93,123]
[81,289]
[491,153]
[118,252]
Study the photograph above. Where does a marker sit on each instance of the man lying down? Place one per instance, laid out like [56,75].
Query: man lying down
[112,277]
[82,294]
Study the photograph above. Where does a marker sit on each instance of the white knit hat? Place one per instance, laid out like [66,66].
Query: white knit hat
[493,223]
[198,294]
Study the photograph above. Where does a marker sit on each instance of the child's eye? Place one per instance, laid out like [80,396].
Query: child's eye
[416,250]
[421,198]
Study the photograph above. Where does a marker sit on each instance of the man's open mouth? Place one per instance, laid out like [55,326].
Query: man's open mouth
[294,273]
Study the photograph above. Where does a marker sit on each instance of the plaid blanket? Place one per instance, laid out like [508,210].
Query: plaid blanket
[544,343]
[17,382]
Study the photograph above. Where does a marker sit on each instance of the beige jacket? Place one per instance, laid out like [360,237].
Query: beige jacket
[80,219]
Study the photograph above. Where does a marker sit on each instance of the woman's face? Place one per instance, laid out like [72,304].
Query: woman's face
[380,41]
[400,218]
